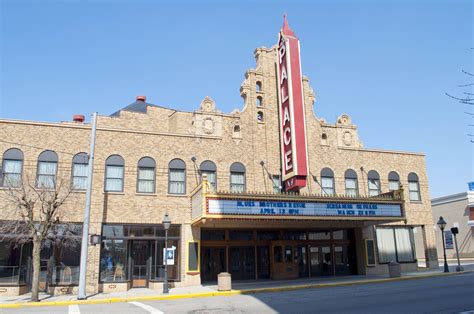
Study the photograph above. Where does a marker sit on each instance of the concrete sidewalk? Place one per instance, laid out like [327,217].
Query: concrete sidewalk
[208,290]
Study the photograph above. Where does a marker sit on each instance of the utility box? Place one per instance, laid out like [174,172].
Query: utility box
[394,270]
[224,282]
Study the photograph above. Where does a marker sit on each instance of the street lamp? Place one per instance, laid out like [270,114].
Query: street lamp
[442,225]
[166,225]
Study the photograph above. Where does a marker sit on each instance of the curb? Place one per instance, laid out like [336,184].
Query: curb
[224,293]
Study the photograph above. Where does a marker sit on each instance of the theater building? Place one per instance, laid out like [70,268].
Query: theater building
[268,191]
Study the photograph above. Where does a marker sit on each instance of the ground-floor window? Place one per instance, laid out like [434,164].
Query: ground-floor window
[136,253]
[395,244]
[59,257]
[14,261]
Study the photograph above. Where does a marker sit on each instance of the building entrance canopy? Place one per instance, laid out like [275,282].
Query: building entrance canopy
[223,205]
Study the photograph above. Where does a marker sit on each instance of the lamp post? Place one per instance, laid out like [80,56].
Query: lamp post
[442,225]
[166,225]
[455,231]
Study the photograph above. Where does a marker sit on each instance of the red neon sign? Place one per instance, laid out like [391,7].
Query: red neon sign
[291,108]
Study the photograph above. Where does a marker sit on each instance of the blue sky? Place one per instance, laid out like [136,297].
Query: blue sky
[385,63]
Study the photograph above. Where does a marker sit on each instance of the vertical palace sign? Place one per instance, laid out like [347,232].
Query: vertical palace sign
[291,109]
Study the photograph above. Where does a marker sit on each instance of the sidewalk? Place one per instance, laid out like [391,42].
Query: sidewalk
[207,290]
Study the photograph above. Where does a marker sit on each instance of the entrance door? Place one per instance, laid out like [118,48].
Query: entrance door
[242,262]
[302,258]
[263,262]
[284,262]
[321,261]
[140,256]
[212,263]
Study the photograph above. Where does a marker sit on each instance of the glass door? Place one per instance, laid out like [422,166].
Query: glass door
[263,262]
[314,261]
[327,268]
[140,260]
[302,258]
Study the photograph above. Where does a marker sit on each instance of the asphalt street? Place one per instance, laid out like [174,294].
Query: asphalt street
[451,294]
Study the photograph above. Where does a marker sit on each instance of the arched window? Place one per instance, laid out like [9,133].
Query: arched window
[414,187]
[350,178]
[237,177]
[374,183]
[259,101]
[260,116]
[327,181]
[80,166]
[12,167]
[393,181]
[146,175]
[177,177]
[114,173]
[258,86]
[46,172]
[208,168]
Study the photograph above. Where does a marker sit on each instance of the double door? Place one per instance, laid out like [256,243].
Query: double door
[332,260]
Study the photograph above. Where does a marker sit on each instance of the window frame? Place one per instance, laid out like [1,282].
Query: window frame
[397,258]
[114,163]
[47,157]
[373,175]
[176,167]
[414,179]
[74,163]
[237,168]
[327,173]
[12,154]
[146,163]
[350,174]
[393,177]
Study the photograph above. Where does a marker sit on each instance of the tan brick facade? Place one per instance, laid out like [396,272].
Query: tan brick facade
[207,134]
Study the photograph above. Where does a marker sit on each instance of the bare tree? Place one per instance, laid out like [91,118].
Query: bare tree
[467,98]
[36,213]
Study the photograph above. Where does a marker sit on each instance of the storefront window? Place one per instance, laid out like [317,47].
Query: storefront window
[158,263]
[113,262]
[395,244]
[13,262]
[60,262]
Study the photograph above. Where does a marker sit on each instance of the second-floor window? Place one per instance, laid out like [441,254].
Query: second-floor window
[80,171]
[114,172]
[414,187]
[374,183]
[393,181]
[237,177]
[276,180]
[208,168]
[47,168]
[177,177]
[350,179]
[12,168]
[327,182]
[146,175]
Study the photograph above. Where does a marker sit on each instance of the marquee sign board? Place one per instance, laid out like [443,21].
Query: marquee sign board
[293,208]
[291,109]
